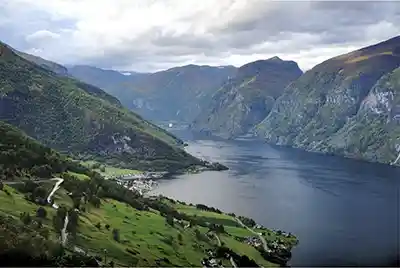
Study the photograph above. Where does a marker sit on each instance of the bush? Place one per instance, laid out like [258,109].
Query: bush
[41,213]
[98,225]
[107,226]
[40,192]
[170,220]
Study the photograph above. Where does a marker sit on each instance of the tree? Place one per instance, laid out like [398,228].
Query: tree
[30,186]
[107,226]
[1,185]
[115,233]
[98,225]
[40,192]
[170,220]
[41,213]
[95,201]
[76,201]
[42,171]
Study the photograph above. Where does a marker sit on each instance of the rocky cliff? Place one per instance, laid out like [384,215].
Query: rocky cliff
[347,105]
[247,98]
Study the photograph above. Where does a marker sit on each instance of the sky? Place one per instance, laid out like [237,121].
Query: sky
[152,35]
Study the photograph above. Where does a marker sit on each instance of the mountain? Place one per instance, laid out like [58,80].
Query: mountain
[176,94]
[74,117]
[49,65]
[347,105]
[247,98]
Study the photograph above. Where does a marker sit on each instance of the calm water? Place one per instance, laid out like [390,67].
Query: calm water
[344,212]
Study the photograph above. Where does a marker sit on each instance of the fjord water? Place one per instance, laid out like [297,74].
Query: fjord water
[344,212]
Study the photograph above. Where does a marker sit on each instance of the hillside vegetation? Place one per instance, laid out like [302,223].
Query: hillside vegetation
[23,157]
[74,117]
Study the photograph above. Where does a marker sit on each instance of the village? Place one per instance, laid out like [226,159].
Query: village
[142,182]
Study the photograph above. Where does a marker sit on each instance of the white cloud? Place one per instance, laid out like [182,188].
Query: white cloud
[155,34]
[42,36]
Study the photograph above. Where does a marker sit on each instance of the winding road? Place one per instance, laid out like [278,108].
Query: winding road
[55,188]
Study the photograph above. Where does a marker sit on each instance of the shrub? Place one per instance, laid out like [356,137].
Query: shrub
[115,233]
[41,213]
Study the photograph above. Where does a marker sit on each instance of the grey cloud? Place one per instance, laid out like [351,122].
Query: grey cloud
[283,28]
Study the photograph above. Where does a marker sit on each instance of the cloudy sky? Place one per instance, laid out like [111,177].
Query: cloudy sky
[149,35]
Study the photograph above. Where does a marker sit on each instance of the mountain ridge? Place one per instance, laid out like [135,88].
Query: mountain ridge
[245,99]
[175,94]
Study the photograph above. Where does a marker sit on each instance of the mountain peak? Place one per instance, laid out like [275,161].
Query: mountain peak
[275,58]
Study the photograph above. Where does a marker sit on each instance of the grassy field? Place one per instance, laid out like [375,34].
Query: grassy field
[146,236]
[14,204]
[110,171]
[81,177]
[246,249]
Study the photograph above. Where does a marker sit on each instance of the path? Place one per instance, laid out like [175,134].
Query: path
[55,188]
[19,182]
[220,244]
[64,233]
[264,243]
[216,237]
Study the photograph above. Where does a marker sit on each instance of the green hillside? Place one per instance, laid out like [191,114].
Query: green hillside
[77,118]
[22,157]
[92,221]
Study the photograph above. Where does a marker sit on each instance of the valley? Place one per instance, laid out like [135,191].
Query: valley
[200,165]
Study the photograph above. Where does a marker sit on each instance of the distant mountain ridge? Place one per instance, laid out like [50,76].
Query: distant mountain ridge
[176,94]
[247,98]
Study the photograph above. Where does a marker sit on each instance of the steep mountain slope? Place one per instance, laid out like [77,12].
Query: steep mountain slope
[49,65]
[246,99]
[174,95]
[326,108]
[22,156]
[75,117]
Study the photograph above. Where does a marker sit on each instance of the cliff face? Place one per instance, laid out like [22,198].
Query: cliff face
[247,98]
[374,132]
[346,105]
